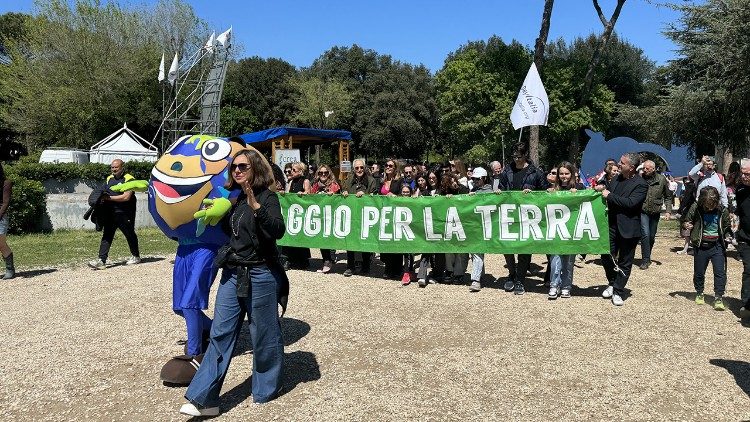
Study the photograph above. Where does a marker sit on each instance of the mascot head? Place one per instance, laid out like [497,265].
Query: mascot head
[194,168]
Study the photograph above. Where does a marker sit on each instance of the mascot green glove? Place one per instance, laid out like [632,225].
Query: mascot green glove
[215,211]
[133,185]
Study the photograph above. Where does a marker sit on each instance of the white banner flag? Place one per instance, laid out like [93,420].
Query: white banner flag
[161,68]
[532,104]
[225,37]
[173,70]
[211,41]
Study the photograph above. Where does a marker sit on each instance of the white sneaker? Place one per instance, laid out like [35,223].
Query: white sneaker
[617,300]
[133,260]
[552,295]
[565,293]
[607,293]
[97,264]
[190,410]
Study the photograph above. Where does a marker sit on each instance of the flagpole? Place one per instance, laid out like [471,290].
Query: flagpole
[520,133]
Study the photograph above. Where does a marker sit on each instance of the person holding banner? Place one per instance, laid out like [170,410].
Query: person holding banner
[481,184]
[624,196]
[326,183]
[455,263]
[391,186]
[521,175]
[408,259]
[561,266]
[298,258]
[359,183]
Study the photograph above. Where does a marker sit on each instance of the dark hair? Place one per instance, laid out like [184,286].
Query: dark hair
[521,149]
[261,170]
[708,196]
[460,167]
[278,176]
[408,186]
[571,168]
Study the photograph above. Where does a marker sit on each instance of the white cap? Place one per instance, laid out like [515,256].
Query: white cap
[479,172]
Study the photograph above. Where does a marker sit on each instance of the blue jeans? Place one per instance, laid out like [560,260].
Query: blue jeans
[561,271]
[265,334]
[649,224]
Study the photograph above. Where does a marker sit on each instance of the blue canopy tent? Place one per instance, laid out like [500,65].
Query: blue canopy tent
[295,137]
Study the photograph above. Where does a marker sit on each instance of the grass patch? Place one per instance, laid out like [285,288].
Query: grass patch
[76,247]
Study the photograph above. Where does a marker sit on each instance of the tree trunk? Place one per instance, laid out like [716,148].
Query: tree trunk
[541,42]
[588,82]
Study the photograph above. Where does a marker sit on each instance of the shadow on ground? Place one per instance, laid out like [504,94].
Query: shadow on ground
[34,273]
[738,369]
[292,330]
[731,303]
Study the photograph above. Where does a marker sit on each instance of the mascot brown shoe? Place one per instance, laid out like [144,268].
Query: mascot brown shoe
[180,370]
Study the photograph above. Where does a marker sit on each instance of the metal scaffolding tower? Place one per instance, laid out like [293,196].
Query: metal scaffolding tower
[195,97]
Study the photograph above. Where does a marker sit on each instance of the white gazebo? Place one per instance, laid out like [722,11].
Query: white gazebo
[125,145]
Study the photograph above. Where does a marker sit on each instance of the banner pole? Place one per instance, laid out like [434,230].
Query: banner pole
[520,133]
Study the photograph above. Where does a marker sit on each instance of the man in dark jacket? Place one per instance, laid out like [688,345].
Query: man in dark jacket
[359,183]
[521,175]
[119,214]
[625,198]
[742,192]
[658,194]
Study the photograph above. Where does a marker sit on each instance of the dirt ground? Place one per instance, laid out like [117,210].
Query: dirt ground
[88,345]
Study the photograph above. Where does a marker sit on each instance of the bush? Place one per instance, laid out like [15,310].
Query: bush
[28,205]
[70,171]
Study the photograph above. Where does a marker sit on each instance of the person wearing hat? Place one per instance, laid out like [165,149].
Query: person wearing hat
[482,185]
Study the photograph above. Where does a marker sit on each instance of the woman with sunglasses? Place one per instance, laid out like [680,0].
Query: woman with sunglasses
[288,176]
[359,183]
[456,263]
[299,258]
[253,283]
[391,186]
[325,183]
[436,261]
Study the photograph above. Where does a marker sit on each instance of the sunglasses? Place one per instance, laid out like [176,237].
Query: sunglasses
[390,166]
[553,172]
[287,171]
[359,168]
[517,157]
[322,173]
[242,167]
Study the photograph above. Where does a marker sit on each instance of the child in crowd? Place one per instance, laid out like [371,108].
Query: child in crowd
[709,226]
[480,184]
[561,266]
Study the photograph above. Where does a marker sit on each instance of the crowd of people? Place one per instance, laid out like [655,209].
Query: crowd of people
[637,195]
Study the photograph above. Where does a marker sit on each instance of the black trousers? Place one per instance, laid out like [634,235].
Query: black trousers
[518,271]
[351,260]
[623,251]
[744,250]
[126,224]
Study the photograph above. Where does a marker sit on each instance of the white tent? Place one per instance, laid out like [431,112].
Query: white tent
[125,145]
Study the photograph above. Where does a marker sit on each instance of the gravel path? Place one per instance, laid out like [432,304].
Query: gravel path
[85,344]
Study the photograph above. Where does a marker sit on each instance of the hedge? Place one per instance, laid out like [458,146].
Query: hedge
[28,205]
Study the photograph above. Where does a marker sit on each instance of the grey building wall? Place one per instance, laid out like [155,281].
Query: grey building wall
[68,201]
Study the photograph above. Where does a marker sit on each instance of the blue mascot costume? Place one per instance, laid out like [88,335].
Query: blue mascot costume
[192,173]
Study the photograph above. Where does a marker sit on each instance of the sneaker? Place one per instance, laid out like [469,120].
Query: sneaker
[607,293]
[644,265]
[552,295]
[133,260]
[719,303]
[565,293]
[422,282]
[509,285]
[475,286]
[326,267]
[405,279]
[190,410]
[518,289]
[744,313]
[699,299]
[617,300]
[97,264]
[348,272]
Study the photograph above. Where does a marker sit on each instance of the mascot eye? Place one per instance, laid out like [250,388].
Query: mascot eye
[216,150]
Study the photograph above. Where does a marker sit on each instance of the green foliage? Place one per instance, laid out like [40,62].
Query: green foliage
[28,205]
[258,94]
[88,67]
[315,96]
[70,171]
[393,110]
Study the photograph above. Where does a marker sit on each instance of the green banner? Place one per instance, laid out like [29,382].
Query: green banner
[558,223]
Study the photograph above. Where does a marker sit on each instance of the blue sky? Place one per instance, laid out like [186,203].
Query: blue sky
[412,31]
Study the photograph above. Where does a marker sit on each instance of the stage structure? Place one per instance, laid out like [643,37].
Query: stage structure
[192,91]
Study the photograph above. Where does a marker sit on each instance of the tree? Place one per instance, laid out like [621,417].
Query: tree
[320,103]
[90,68]
[393,109]
[541,43]
[258,94]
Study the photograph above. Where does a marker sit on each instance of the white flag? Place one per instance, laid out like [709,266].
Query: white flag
[211,42]
[225,37]
[532,104]
[173,70]
[161,68]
